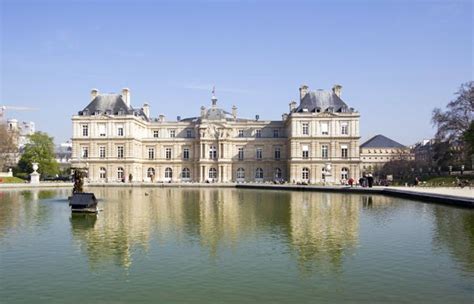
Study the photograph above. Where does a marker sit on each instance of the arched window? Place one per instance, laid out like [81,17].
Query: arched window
[278,173]
[168,173]
[305,174]
[259,173]
[150,172]
[102,173]
[185,173]
[344,173]
[120,173]
[240,173]
[213,173]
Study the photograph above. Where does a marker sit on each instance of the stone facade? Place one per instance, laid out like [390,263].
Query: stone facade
[379,150]
[318,141]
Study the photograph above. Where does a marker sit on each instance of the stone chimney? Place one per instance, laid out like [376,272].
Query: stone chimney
[94,93]
[303,91]
[292,105]
[337,89]
[284,116]
[126,96]
[146,110]
[234,112]
[161,118]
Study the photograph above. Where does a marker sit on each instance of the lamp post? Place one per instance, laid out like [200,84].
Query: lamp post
[450,169]
[462,169]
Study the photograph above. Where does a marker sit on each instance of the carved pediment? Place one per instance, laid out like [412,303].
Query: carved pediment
[326,114]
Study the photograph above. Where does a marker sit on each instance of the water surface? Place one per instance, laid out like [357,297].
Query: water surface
[233,246]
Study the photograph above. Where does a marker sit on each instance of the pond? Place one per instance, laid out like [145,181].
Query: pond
[225,245]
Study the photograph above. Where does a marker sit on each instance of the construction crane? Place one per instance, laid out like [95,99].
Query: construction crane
[3,109]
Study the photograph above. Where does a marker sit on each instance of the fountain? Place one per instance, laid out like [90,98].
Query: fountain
[81,201]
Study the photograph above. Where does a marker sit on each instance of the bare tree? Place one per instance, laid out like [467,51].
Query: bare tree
[455,121]
[453,126]
[8,147]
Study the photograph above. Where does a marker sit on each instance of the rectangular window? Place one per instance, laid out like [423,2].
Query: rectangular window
[120,151]
[241,154]
[186,153]
[277,153]
[259,153]
[156,133]
[120,131]
[305,128]
[85,152]
[344,128]
[168,153]
[324,151]
[344,152]
[212,152]
[172,133]
[241,133]
[85,130]
[305,150]
[324,128]
[101,129]
[189,133]
[276,133]
[258,133]
[101,152]
[151,153]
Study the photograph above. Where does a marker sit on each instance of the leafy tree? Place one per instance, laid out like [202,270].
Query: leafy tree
[8,147]
[454,125]
[40,149]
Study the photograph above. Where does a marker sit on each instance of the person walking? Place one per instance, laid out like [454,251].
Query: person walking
[370,180]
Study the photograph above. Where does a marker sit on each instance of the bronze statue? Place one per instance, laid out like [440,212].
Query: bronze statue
[78,178]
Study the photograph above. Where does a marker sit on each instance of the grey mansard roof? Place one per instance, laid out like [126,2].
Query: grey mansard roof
[320,101]
[112,104]
[380,141]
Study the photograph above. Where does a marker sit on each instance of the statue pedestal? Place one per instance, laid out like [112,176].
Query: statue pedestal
[35,178]
[328,179]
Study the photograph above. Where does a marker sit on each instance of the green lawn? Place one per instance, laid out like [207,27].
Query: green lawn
[11,180]
[446,181]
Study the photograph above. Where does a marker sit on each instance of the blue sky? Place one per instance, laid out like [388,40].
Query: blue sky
[396,60]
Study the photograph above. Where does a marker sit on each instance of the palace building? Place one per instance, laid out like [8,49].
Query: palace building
[379,150]
[316,141]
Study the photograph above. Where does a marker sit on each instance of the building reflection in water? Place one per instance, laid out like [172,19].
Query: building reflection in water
[319,228]
[324,229]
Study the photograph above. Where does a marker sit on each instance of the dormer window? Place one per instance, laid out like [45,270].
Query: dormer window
[85,112]
[96,112]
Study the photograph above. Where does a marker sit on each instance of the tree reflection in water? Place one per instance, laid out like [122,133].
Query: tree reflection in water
[454,230]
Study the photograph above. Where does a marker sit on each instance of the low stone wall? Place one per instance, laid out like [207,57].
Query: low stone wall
[35,186]
[409,194]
